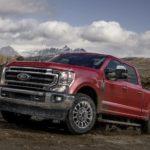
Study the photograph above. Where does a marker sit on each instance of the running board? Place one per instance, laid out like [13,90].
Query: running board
[119,122]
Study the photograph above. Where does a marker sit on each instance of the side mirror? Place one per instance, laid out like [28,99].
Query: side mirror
[121,72]
[110,74]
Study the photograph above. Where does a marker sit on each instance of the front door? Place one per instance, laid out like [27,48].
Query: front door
[115,93]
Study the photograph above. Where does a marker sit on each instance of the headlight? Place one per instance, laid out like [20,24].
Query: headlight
[2,82]
[66,78]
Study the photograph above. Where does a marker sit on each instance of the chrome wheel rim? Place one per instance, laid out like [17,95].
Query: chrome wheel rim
[82,114]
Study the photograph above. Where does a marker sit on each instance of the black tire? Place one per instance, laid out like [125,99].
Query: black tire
[145,127]
[15,117]
[82,116]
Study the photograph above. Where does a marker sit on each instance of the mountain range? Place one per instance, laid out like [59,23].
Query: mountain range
[9,51]
[53,51]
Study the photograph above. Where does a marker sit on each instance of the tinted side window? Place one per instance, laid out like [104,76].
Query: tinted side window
[132,76]
[112,65]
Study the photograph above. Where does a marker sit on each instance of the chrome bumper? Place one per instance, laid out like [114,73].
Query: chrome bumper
[47,108]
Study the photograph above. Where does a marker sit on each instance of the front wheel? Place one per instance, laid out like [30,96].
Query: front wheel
[81,117]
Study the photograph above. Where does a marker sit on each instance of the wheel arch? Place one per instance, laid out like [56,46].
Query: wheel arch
[91,92]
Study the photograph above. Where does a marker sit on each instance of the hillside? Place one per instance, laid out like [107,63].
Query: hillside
[143,65]
[5,59]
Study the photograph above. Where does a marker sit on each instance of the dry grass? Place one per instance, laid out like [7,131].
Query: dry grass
[5,59]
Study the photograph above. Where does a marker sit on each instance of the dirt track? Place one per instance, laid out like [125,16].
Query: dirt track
[37,136]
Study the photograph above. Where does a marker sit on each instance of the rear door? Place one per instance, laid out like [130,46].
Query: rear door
[134,94]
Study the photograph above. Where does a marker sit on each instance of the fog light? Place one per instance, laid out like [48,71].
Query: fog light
[57,98]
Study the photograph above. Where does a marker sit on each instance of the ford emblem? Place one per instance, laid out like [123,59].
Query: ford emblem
[23,76]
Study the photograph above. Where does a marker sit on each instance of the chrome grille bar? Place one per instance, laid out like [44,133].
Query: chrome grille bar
[40,78]
[16,71]
[14,81]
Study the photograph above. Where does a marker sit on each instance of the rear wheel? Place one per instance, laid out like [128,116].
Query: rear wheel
[81,118]
[146,127]
[15,117]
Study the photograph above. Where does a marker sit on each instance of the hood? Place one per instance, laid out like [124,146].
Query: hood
[50,65]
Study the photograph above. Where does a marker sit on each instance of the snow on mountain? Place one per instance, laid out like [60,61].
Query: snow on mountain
[52,51]
[30,53]
[80,50]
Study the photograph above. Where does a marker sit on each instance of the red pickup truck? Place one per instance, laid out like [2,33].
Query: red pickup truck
[75,88]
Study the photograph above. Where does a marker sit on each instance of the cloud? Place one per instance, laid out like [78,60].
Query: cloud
[23,7]
[102,31]
[99,36]
[32,32]
[114,39]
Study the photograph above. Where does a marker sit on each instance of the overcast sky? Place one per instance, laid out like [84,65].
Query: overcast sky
[117,27]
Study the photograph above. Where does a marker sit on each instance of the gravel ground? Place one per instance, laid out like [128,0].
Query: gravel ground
[38,136]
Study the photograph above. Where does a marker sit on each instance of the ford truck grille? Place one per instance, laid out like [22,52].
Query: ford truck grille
[30,78]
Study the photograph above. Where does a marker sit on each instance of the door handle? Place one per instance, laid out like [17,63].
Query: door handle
[139,92]
[124,88]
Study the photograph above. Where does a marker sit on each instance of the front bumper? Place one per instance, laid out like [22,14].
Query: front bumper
[35,103]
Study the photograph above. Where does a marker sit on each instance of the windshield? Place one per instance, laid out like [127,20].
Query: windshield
[87,60]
